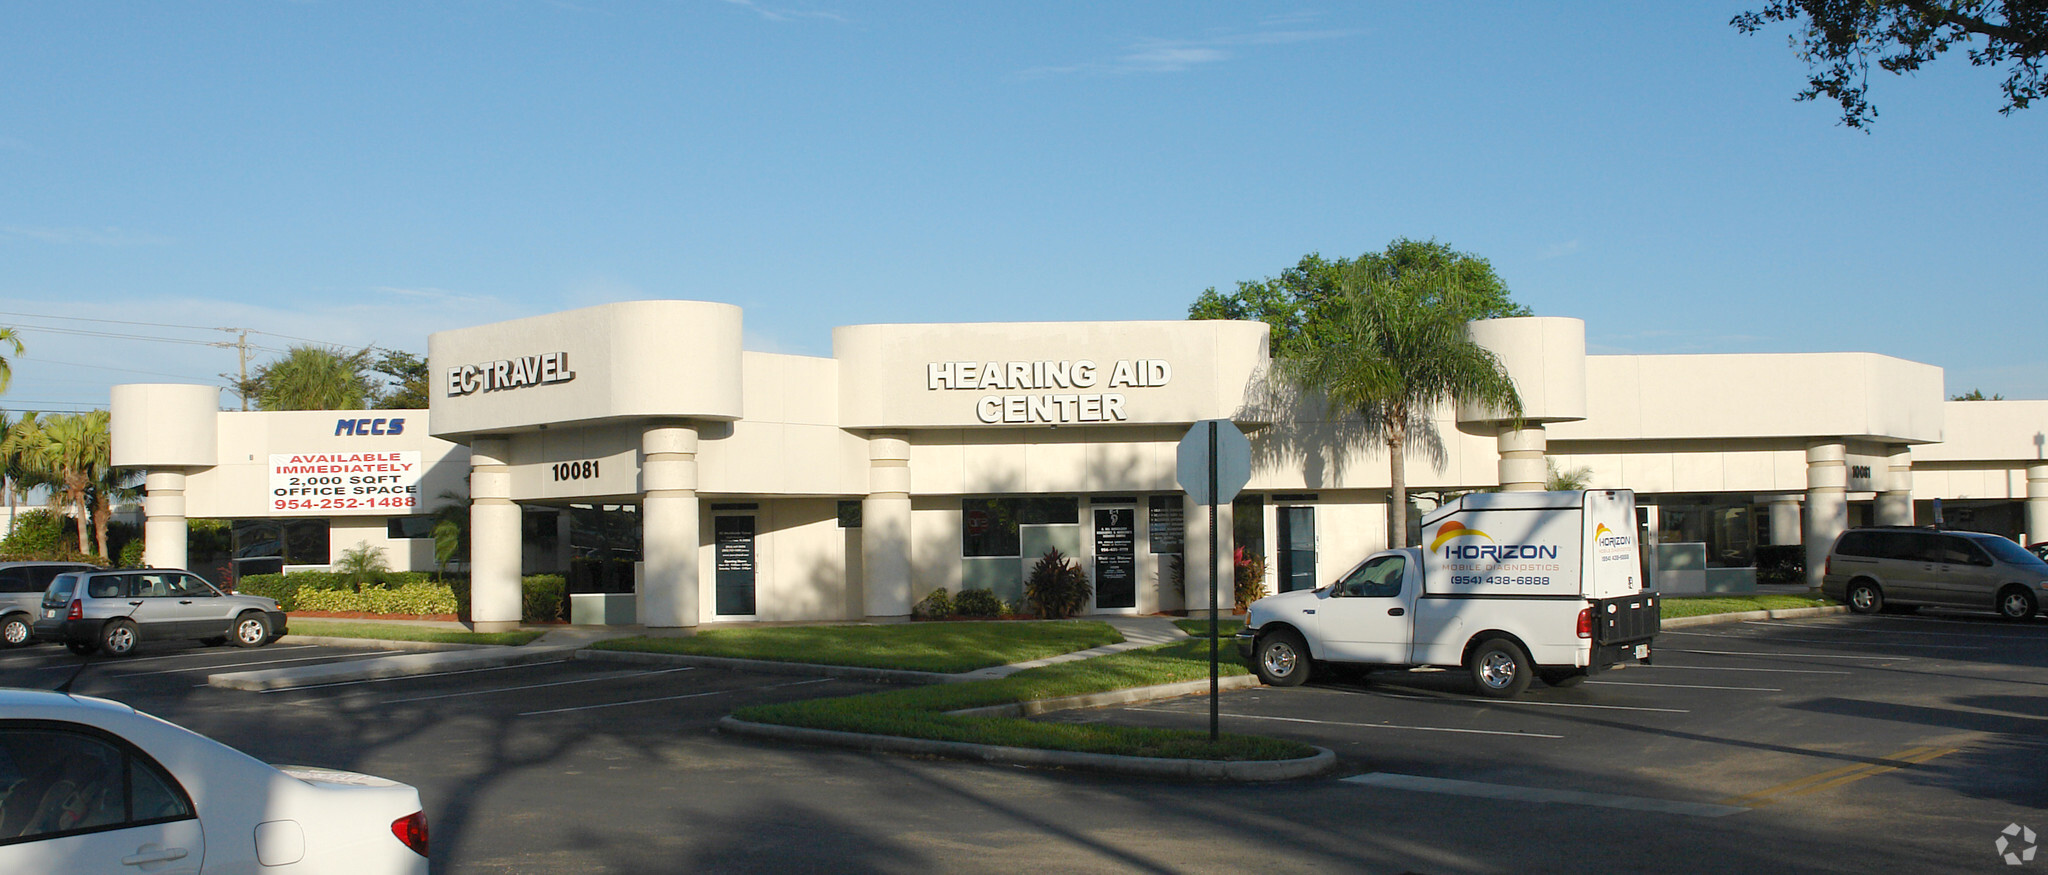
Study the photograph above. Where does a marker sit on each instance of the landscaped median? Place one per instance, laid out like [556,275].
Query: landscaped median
[975,720]
[301,629]
[946,648]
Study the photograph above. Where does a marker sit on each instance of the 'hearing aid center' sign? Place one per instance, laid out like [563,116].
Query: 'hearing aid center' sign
[1037,392]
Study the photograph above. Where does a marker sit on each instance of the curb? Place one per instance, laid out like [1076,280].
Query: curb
[381,643]
[1742,616]
[764,666]
[1036,707]
[403,665]
[1147,767]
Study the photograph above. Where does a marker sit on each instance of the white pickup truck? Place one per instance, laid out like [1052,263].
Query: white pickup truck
[1509,585]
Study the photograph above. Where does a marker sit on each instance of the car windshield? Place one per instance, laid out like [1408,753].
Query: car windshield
[60,589]
[2011,553]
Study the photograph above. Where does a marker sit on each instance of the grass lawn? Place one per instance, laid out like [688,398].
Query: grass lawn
[1695,606]
[950,647]
[921,712]
[1200,628]
[402,632]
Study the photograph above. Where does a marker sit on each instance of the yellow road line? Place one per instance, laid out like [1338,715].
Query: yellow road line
[1832,778]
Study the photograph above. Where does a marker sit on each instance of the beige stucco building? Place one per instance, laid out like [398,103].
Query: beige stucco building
[747,486]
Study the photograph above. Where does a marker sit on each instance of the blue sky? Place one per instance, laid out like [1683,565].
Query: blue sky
[369,172]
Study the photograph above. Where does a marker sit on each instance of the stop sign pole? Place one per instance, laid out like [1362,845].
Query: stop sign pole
[1213,463]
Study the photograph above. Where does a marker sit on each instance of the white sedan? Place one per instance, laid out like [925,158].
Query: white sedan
[88,785]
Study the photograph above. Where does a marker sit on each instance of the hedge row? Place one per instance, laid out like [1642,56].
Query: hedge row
[544,598]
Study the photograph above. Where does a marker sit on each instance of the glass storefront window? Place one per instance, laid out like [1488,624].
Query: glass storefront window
[1726,526]
[988,526]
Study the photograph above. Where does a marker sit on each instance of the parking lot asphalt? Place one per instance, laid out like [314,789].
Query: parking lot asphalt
[1849,744]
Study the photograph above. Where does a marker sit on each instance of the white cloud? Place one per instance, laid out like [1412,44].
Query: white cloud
[780,14]
[88,236]
[1153,55]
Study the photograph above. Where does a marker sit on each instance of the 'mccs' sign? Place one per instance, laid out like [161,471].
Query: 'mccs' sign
[379,426]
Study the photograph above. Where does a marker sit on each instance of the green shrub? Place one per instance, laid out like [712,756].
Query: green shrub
[543,598]
[978,603]
[1057,587]
[937,606]
[412,598]
[1249,573]
[287,588]
[40,534]
[362,564]
[1785,563]
[131,554]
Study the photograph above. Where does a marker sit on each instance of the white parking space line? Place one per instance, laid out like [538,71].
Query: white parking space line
[589,680]
[1513,793]
[402,677]
[1740,668]
[1788,654]
[1777,640]
[1357,725]
[671,698]
[1685,686]
[1989,622]
[1537,704]
[1836,627]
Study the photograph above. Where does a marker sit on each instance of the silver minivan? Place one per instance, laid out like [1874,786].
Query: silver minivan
[1878,568]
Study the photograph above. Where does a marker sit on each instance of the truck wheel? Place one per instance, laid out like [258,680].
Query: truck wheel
[1562,677]
[1500,669]
[1865,597]
[2015,603]
[1282,659]
[15,631]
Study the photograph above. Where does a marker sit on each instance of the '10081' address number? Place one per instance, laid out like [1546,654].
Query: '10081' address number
[575,471]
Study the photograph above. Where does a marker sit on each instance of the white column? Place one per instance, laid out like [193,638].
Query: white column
[163,519]
[669,590]
[1827,503]
[1198,561]
[493,538]
[1785,520]
[1895,495]
[885,527]
[2037,501]
[1522,467]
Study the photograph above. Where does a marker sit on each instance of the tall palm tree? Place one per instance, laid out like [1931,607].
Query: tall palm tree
[312,377]
[8,339]
[1397,348]
[69,450]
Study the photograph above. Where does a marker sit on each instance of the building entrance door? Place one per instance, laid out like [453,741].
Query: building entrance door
[1116,564]
[734,565]
[1297,536]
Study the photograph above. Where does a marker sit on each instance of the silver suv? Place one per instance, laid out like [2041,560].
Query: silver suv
[1878,568]
[21,589]
[116,610]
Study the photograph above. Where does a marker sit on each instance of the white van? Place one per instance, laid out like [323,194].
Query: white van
[1510,585]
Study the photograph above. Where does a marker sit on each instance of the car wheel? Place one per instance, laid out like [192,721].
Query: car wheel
[2015,603]
[1282,659]
[118,638]
[1562,677]
[252,630]
[1865,597]
[16,632]
[1499,669]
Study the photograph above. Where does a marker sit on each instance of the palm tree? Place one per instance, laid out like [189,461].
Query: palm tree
[8,339]
[313,378]
[69,451]
[1397,348]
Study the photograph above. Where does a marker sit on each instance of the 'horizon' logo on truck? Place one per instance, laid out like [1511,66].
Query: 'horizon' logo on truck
[1497,552]
[1606,537]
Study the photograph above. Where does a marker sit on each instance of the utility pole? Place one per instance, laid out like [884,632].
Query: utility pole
[241,345]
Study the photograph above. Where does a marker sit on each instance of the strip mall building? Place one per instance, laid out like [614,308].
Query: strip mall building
[749,486]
